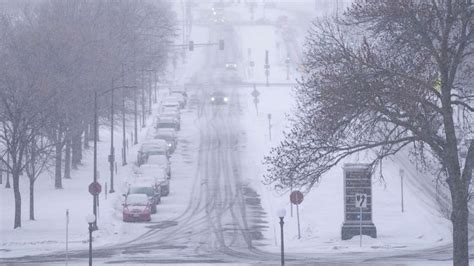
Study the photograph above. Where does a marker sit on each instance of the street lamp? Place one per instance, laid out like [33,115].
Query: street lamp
[281,213]
[90,220]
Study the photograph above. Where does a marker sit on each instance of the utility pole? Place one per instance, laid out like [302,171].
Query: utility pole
[124,140]
[112,152]
[143,99]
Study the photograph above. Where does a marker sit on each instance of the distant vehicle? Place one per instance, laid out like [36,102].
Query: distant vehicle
[170,114]
[137,207]
[219,97]
[150,189]
[171,100]
[156,174]
[167,122]
[180,92]
[152,147]
[176,98]
[231,66]
[162,161]
[171,103]
[169,135]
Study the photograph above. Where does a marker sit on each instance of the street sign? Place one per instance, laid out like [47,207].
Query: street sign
[361,200]
[95,188]
[296,197]
[255,101]
[252,63]
[255,93]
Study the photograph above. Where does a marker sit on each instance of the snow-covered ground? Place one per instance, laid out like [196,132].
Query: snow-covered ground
[421,226]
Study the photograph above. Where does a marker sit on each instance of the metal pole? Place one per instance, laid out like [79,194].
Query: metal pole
[94,207]
[298,218]
[291,204]
[67,236]
[112,152]
[156,87]
[282,242]
[135,103]
[149,95]
[401,172]
[360,227]
[401,177]
[124,140]
[90,243]
[143,100]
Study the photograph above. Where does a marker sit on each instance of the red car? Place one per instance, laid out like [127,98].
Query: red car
[136,208]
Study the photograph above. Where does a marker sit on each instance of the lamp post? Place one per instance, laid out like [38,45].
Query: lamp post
[94,201]
[281,213]
[90,220]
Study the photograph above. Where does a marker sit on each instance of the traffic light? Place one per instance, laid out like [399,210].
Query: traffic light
[221,44]
[191,46]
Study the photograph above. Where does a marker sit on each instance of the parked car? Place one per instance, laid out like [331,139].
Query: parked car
[150,189]
[162,161]
[180,92]
[169,135]
[176,98]
[162,182]
[170,114]
[218,97]
[137,207]
[168,122]
[172,103]
[152,147]
[156,174]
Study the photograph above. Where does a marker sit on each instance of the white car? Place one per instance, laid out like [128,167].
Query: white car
[162,161]
[152,147]
[173,103]
[168,134]
[176,98]
[154,173]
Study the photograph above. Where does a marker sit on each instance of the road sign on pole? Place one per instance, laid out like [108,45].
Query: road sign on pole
[95,188]
[296,197]
[361,200]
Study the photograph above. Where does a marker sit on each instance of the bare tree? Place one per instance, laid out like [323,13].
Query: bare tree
[38,156]
[391,75]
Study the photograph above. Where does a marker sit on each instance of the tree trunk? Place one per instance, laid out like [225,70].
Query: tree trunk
[76,147]
[32,200]
[87,136]
[16,193]
[67,158]
[460,220]
[57,173]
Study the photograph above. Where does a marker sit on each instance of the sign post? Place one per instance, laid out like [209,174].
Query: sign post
[357,202]
[296,197]
[361,202]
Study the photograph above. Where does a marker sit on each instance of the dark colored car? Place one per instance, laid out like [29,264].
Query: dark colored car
[219,97]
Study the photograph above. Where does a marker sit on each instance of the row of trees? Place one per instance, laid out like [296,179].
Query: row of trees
[54,56]
[390,75]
